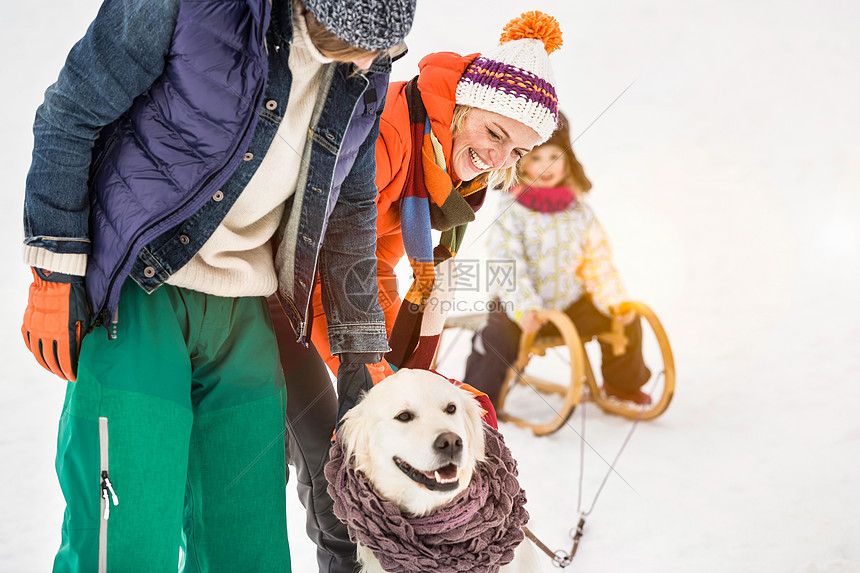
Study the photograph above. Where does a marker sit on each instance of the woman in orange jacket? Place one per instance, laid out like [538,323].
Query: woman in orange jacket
[446,135]
[460,125]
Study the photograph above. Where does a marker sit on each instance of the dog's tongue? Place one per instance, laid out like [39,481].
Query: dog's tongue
[448,473]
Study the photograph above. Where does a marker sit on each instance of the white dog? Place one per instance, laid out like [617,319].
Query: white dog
[418,439]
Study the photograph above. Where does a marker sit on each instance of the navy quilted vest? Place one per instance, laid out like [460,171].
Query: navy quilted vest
[170,152]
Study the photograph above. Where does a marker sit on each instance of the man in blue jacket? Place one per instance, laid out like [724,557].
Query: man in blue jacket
[187,164]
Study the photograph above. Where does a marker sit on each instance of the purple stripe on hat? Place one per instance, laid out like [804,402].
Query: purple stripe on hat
[512,80]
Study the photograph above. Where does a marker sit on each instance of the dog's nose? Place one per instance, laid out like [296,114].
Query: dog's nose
[448,444]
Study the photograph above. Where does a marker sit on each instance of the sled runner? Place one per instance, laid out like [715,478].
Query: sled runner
[571,348]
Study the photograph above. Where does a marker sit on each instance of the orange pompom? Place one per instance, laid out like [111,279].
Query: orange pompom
[536,25]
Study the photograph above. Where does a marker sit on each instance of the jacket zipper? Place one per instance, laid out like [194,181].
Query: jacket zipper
[108,145]
[300,327]
[108,495]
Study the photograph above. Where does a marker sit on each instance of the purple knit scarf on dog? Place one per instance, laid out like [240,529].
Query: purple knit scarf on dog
[476,532]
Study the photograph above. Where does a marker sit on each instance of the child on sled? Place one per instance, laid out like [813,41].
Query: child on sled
[562,262]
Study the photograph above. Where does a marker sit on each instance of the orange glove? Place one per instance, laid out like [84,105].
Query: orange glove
[56,320]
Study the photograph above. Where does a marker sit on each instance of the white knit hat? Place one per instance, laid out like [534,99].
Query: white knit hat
[515,79]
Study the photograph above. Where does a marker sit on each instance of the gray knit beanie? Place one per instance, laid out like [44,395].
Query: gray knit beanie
[367,24]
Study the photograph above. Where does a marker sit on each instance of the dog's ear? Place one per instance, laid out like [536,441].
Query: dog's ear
[354,435]
[474,425]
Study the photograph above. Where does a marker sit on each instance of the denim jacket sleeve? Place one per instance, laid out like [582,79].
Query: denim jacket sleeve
[356,322]
[119,57]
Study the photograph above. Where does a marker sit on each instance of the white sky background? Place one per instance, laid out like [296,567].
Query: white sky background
[726,177]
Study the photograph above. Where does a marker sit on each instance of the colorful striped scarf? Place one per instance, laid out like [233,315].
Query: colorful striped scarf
[430,201]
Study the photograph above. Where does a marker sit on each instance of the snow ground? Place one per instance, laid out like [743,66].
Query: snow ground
[726,176]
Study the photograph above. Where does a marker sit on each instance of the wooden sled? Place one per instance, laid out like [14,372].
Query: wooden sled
[581,373]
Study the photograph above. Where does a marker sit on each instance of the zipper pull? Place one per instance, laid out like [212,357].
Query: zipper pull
[99,319]
[113,324]
[108,493]
[106,482]
[106,516]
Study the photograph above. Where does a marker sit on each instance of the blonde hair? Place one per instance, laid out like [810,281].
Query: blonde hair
[574,174]
[502,179]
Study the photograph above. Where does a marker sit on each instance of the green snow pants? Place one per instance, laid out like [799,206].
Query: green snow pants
[171,442]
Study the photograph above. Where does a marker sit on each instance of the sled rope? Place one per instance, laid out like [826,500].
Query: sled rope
[559,558]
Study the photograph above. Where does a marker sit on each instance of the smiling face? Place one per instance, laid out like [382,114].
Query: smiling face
[417,438]
[544,167]
[488,141]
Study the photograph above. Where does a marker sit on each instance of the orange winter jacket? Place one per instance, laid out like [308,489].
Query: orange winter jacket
[437,81]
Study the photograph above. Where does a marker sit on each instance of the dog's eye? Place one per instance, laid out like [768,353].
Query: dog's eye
[451,408]
[405,416]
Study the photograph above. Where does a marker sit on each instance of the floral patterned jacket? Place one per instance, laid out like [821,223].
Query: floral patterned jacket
[558,258]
